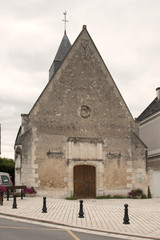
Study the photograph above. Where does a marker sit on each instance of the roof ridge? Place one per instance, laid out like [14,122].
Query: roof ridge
[152,108]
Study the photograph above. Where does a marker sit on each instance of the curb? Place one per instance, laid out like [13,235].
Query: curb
[84,228]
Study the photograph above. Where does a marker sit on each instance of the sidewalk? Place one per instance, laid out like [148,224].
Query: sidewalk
[105,215]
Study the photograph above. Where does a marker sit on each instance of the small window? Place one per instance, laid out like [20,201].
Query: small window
[5,179]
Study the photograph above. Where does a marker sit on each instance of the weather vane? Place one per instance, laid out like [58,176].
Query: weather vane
[65,21]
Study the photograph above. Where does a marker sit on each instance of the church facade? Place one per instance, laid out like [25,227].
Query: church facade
[79,137]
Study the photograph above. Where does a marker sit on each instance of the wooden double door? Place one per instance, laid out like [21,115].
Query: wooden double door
[84,181]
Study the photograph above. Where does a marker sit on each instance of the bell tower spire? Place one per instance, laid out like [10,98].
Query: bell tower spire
[63,49]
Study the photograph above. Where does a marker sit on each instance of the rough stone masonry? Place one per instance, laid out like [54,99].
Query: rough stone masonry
[79,137]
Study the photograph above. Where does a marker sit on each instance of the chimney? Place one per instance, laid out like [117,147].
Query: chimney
[158,93]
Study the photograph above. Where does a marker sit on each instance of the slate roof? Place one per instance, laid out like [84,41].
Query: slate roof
[153,108]
[63,49]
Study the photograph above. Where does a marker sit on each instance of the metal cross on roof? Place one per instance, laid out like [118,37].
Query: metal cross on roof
[65,21]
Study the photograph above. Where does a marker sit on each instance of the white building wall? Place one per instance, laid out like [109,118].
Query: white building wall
[150,133]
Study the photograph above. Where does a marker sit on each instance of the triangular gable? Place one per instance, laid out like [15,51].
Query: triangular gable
[82,42]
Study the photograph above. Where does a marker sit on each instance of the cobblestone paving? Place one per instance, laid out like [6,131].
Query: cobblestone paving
[102,215]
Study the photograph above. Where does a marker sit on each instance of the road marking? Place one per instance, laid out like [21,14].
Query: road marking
[42,229]
[74,236]
[12,227]
[26,228]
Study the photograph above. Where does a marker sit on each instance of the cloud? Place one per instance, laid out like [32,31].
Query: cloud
[126,33]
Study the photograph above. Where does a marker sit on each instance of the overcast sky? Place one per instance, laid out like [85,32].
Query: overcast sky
[126,33]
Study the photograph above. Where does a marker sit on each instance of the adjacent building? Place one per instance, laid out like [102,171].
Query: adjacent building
[149,131]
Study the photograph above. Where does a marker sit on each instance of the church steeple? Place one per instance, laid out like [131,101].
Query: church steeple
[63,49]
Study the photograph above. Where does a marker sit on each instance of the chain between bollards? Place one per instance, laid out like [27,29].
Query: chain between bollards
[14,202]
[126,217]
[44,209]
[81,213]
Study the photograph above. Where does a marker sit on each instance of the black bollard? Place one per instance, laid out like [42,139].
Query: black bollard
[24,192]
[21,193]
[81,213]
[44,209]
[126,217]
[14,202]
[7,194]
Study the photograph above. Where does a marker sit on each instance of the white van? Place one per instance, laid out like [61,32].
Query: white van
[5,179]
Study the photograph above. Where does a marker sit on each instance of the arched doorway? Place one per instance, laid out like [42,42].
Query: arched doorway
[84,181]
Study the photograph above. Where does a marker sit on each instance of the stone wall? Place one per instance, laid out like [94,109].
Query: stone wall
[80,118]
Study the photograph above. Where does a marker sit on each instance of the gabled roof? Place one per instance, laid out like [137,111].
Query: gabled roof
[153,108]
[82,41]
[63,49]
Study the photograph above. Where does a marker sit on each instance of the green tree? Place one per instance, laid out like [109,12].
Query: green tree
[7,165]
[149,193]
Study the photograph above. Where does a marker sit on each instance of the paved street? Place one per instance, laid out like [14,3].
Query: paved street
[13,230]
[100,215]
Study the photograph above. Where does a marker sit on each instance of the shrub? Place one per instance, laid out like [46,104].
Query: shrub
[30,190]
[110,197]
[104,197]
[144,196]
[149,193]
[137,193]
[2,189]
[72,197]
[118,196]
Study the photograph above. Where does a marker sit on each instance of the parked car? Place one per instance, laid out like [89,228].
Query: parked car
[5,179]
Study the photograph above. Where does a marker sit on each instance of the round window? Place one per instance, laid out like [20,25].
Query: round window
[85,111]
